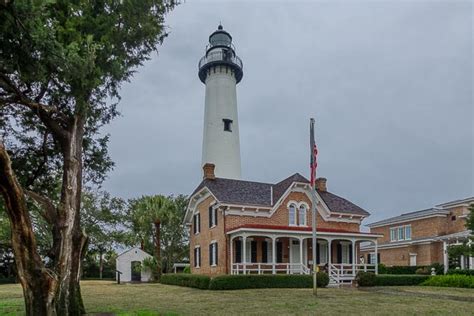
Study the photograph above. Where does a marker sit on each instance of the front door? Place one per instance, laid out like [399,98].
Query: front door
[295,256]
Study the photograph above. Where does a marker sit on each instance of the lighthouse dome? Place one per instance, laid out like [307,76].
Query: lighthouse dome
[220,37]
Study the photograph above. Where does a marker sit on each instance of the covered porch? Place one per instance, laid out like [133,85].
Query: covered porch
[288,250]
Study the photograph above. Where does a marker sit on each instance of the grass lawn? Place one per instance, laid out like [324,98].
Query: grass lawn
[157,299]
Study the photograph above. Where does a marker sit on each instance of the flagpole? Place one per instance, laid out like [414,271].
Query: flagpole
[313,204]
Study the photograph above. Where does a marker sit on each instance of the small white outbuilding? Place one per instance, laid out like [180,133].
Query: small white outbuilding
[130,264]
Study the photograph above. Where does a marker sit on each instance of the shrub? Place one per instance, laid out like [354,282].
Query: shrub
[423,271]
[189,280]
[187,269]
[465,281]
[382,269]
[391,279]
[461,272]
[365,278]
[7,280]
[439,268]
[249,281]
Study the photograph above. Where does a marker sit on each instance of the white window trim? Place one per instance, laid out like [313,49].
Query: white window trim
[305,215]
[214,253]
[295,207]
[396,232]
[198,223]
[198,259]
[214,218]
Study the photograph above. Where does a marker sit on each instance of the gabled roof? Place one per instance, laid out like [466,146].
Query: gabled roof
[410,216]
[341,205]
[240,192]
[466,201]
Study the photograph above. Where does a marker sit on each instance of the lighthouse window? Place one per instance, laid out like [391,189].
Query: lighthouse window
[227,125]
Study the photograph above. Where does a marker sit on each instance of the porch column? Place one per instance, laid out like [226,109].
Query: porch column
[273,254]
[301,254]
[470,260]
[244,253]
[376,258]
[329,254]
[445,256]
[231,255]
[353,257]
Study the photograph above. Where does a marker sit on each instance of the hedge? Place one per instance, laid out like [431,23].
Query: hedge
[382,269]
[7,280]
[464,281]
[370,279]
[189,280]
[249,281]
[391,279]
[461,271]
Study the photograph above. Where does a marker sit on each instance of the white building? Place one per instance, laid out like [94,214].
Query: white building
[130,264]
[220,69]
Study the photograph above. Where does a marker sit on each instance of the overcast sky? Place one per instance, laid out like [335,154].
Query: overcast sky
[390,84]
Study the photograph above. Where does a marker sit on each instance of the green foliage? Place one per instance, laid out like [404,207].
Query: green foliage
[393,280]
[410,269]
[461,271]
[152,265]
[365,279]
[470,219]
[423,271]
[142,215]
[189,280]
[463,281]
[187,270]
[249,281]
[91,265]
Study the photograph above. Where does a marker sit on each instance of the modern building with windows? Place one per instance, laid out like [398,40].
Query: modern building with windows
[421,238]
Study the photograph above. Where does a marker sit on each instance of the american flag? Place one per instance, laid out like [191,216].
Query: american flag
[314,153]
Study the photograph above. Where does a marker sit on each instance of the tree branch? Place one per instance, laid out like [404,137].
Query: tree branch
[48,210]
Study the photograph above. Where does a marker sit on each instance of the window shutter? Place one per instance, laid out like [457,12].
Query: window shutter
[378,257]
[210,216]
[215,217]
[217,253]
[194,224]
[264,251]
[210,254]
[318,254]
[199,256]
[253,254]
[199,225]
[195,257]
[339,253]
[279,255]
[368,258]
[238,251]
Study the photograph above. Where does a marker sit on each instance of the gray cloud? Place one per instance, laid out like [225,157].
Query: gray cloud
[390,85]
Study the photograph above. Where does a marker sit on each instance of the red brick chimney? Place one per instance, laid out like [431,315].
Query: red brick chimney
[321,184]
[208,169]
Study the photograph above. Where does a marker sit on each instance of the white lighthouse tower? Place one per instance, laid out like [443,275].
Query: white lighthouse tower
[221,70]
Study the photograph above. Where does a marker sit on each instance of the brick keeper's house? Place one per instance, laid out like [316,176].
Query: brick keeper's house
[422,238]
[239,227]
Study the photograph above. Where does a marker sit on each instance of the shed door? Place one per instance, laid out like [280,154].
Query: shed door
[136,267]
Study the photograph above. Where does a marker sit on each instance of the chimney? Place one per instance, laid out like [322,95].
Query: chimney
[208,169]
[321,184]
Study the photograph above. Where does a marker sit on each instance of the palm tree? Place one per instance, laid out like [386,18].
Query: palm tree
[151,212]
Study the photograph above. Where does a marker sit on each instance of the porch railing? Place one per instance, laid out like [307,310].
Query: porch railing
[269,268]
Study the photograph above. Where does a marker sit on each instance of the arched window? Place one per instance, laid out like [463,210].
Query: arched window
[302,215]
[292,214]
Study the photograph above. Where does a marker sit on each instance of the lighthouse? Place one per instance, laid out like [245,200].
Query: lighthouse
[220,69]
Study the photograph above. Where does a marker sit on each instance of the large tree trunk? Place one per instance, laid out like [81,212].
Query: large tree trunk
[73,240]
[50,292]
[39,284]
[101,263]
[158,248]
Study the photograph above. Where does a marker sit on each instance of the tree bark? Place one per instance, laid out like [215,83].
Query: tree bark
[73,240]
[101,264]
[158,248]
[39,284]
